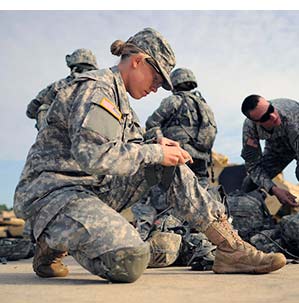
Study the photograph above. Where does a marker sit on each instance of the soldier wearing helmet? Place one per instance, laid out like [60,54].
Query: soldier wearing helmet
[89,162]
[185,117]
[80,61]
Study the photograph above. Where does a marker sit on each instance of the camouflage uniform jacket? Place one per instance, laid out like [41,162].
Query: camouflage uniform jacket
[184,122]
[91,133]
[282,142]
[46,96]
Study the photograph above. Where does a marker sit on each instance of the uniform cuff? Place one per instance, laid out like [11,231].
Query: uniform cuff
[153,153]
[268,184]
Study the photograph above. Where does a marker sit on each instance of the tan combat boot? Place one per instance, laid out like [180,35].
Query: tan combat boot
[233,255]
[47,262]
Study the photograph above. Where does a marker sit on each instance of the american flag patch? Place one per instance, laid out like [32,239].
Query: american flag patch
[111,108]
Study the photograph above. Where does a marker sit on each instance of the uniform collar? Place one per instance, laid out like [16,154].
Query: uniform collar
[123,99]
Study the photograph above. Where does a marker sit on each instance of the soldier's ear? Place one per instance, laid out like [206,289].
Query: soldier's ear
[136,60]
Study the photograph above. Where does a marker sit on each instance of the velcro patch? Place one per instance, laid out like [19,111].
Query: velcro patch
[111,108]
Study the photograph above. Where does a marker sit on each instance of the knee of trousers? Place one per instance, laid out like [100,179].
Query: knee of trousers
[123,265]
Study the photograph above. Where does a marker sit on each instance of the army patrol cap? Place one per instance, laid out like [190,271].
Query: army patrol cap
[81,56]
[183,75]
[155,45]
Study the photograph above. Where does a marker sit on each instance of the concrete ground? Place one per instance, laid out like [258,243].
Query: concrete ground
[173,284]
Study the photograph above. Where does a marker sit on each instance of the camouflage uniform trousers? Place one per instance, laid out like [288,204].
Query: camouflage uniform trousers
[90,225]
[200,169]
[165,246]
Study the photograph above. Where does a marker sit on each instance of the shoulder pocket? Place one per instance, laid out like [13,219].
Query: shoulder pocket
[102,121]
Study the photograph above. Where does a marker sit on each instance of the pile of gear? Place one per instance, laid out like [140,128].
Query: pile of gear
[259,218]
[173,242]
[256,225]
[13,244]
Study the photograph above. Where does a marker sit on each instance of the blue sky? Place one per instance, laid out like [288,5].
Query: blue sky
[232,53]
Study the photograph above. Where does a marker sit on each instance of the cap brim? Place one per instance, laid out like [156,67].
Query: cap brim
[167,82]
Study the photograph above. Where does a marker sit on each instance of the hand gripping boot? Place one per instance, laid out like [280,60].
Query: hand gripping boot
[233,255]
[47,262]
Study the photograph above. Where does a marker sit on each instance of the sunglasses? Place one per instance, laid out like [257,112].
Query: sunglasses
[152,63]
[266,116]
[157,82]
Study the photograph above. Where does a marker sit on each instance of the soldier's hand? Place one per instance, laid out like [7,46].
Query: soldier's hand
[168,142]
[284,196]
[174,155]
[186,156]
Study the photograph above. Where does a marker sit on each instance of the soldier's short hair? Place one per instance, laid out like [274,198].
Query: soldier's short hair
[249,103]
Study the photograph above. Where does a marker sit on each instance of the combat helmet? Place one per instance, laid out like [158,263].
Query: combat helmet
[81,56]
[183,77]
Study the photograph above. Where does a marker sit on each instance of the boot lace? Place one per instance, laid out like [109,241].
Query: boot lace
[228,227]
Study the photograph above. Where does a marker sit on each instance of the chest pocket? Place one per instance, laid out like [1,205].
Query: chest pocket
[104,120]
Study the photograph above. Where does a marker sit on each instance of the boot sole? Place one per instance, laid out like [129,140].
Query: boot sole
[42,275]
[245,269]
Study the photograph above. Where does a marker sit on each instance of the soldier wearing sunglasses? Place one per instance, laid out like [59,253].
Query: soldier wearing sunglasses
[276,122]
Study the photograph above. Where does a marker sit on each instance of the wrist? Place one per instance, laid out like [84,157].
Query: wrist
[273,190]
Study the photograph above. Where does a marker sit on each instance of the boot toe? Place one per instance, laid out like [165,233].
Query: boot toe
[278,261]
[51,271]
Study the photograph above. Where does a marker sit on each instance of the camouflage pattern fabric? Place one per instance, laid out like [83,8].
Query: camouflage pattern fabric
[164,248]
[268,240]
[197,251]
[38,107]
[71,231]
[15,249]
[81,56]
[249,212]
[144,217]
[290,232]
[281,145]
[88,163]
[171,239]
[88,225]
[182,75]
[82,153]
[46,97]
[157,47]
[185,117]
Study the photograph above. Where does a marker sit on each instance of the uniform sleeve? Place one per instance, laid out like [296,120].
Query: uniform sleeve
[96,132]
[45,96]
[293,134]
[252,154]
[34,105]
[162,115]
